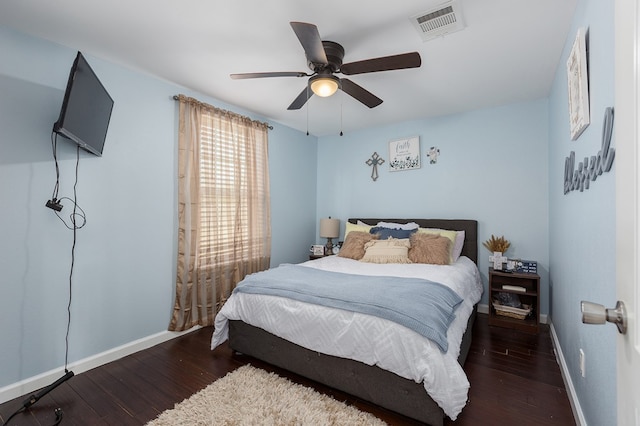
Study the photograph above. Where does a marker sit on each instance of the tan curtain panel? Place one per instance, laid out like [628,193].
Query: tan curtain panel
[224,224]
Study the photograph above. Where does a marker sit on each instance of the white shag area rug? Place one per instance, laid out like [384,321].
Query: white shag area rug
[251,396]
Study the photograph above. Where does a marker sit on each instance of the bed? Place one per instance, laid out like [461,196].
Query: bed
[423,390]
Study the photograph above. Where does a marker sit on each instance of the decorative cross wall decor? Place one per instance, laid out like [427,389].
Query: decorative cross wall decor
[498,259]
[374,161]
[433,154]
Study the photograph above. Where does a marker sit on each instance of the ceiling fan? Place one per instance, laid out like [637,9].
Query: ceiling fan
[325,59]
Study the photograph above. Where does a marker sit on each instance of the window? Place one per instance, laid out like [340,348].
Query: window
[227,195]
[224,229]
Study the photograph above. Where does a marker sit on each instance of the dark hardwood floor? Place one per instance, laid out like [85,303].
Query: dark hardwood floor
[515,380]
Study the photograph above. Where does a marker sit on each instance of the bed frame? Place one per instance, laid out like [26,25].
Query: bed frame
[366,382]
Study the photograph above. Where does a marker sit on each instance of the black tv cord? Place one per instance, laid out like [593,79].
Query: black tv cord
[68,374]
[36,397]
[58,412]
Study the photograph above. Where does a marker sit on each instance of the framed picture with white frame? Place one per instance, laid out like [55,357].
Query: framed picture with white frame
[578,85]
[404,154]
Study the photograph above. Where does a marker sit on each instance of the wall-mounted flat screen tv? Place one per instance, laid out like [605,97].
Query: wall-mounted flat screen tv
[86,109]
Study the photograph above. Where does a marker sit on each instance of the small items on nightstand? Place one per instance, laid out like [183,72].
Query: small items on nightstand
[317,250]
[336,248]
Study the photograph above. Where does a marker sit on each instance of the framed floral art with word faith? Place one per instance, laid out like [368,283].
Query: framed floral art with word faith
[404,154]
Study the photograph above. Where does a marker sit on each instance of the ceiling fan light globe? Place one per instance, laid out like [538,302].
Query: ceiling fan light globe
[324,86]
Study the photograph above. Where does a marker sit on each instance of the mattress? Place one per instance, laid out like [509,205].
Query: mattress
[368,339]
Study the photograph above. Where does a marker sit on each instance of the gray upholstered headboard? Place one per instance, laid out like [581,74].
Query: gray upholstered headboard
[470,228]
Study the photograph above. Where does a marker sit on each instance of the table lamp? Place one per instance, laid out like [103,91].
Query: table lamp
[329,228]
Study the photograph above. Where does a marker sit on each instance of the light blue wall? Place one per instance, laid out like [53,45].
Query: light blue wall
[292,169]
[492,168]
[582,224]
[123,281]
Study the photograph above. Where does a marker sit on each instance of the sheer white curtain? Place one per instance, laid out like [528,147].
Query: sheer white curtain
[224,224]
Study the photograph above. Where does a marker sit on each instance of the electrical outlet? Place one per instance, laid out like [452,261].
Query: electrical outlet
[582,363]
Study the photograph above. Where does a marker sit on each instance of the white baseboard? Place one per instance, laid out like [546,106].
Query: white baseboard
[566,377]
[39,381]
[484,309]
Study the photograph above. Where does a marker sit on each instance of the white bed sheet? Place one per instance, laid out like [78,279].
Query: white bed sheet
[365,338]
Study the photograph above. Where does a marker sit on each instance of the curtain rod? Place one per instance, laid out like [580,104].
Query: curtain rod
[269,126]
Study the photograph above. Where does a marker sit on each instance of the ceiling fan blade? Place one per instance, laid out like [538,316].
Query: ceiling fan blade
[311,42]
[302,98]
[359,93]
[268,74]
[385,63]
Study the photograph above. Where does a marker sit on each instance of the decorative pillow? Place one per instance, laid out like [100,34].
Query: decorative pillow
[457,246]
[360,228]
[353,246]
[451,235]
[429,248]
[408,226]
[386,233]
[387,251]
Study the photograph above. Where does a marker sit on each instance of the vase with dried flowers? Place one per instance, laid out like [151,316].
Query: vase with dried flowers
[497,246]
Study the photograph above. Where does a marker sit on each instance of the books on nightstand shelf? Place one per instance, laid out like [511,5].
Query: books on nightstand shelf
[514,288]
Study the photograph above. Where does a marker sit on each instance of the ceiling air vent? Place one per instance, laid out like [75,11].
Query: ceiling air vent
[445,19]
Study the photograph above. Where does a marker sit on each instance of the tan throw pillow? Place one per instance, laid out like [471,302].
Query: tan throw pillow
[391,250]
[430,248]
[353,246]
[451,235]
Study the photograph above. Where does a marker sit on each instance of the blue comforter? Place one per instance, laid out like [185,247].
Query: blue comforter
[424,306]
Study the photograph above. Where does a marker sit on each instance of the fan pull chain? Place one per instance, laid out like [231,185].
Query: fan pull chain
[307,107]
[341,99]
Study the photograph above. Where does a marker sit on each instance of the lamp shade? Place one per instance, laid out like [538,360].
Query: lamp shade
[324,85]
[329,228]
